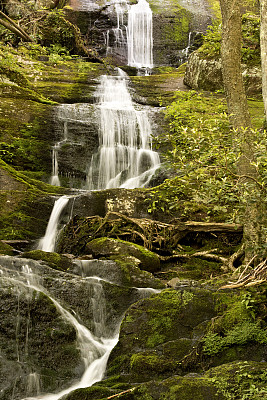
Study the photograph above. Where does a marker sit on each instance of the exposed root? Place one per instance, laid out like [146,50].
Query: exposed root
[255,277]
[162,238]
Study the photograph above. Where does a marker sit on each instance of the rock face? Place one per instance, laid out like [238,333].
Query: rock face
[39,345]
[205,74]
[174,24]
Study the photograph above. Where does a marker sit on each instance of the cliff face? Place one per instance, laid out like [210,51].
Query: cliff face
[173,21]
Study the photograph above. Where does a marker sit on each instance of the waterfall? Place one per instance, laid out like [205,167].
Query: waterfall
[31,280]
[54,178]
[119,32]
[94,348]
[48,242]
[139,35]
[125,157]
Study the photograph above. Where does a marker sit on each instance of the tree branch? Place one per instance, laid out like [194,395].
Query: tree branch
[13,27]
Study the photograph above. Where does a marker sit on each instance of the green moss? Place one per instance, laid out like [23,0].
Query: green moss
[237,325]
[147,363]
[240,380]
[5,249]
[104,246]
[157,89]
[54,260]
[91,393]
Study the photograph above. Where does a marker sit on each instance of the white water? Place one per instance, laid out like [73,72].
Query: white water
[125,157]
[54,178]
[119,32]
[48,242]
[94,348]
[33,384]
[140,35]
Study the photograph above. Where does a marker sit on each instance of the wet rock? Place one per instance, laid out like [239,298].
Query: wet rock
[120,270]
[54,260]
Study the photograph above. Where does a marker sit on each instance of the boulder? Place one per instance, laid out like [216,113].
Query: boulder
[158,332]
[206,74]
[107,247]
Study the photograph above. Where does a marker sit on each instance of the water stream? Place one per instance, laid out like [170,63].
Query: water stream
[94,348]
[124,159]
[48,242]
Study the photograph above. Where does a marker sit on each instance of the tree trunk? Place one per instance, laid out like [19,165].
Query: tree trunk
[231,63]
[263,8]
[240,119]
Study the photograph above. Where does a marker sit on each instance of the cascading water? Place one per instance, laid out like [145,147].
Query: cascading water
[94,348]
[125,157]
[119,44]
[54,178]
[140,35]
[48,242]
[31,280]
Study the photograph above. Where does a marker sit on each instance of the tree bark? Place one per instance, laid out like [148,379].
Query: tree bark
[240,119]
[263,34]
[231,64]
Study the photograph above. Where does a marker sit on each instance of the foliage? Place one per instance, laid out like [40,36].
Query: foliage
[202,152]
[58,31]
[246,381]
[211,47]
[238,335]
[251,40]
[241,321]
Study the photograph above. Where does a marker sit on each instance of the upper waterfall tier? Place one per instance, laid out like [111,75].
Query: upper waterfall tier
[140,35]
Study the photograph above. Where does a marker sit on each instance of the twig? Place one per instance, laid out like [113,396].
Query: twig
[246,267]
[121,393]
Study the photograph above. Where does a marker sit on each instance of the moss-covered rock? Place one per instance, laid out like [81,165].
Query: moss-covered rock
[204,69]
[6,249]
[161,329]
[119,269]
[106,247]
[54,260]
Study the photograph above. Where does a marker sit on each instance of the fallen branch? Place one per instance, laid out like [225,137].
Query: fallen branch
[257,276]
[13,27]
[205,255]
[234,257]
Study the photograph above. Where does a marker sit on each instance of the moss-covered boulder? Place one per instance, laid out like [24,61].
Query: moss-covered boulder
[25,205]
[204,67]
[157,333]
[6,249]
[107,247]
[206,74]
[229,381]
